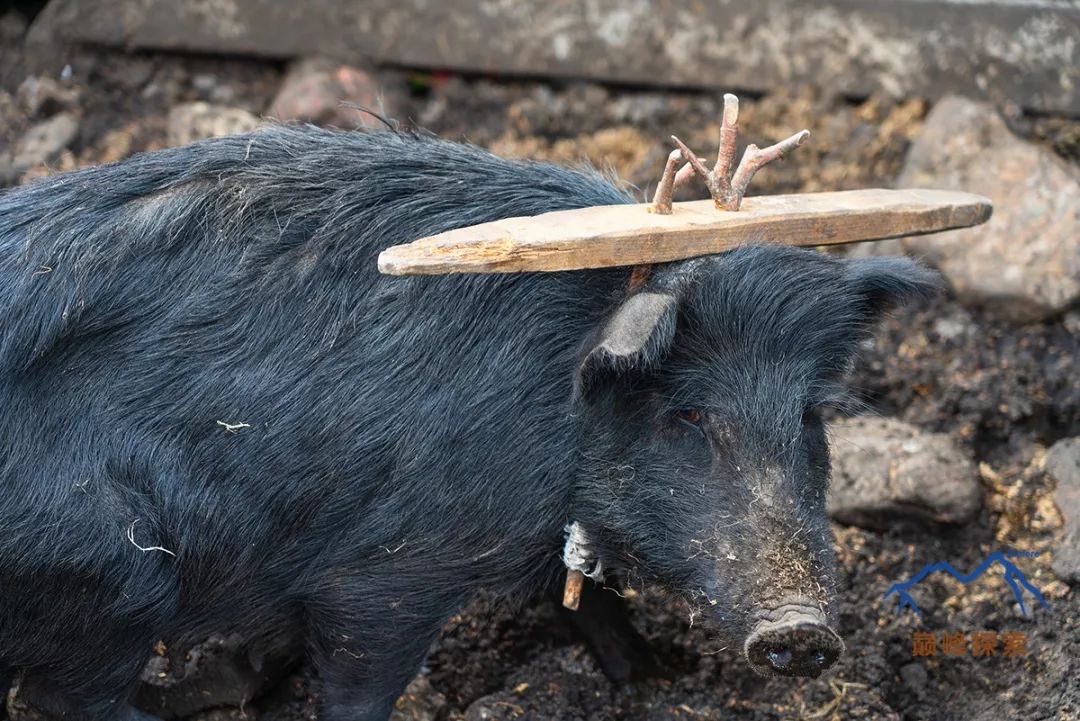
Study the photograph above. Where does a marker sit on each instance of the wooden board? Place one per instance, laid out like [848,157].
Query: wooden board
[619,235]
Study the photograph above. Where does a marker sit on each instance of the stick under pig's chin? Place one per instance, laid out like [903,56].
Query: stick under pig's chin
[580,561]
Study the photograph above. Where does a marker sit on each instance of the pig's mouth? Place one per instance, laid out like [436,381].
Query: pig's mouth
[793,639]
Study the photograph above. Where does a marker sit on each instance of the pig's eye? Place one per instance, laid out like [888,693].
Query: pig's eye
[689,415]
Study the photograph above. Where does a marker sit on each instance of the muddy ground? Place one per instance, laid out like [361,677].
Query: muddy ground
[1005,392]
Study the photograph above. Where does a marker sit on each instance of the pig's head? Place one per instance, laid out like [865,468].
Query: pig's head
[706,461]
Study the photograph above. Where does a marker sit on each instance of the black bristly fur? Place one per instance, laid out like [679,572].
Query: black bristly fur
[730,511]
[197,354]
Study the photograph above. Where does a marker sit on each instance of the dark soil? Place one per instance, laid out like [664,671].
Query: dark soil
[1005,392]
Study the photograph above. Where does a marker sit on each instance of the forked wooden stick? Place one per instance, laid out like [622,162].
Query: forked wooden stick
[726,186]
[623,235]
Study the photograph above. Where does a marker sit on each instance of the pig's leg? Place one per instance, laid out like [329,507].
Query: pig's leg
[359,690]
[602,620]
[363,675]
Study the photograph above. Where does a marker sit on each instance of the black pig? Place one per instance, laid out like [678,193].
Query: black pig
[218,416]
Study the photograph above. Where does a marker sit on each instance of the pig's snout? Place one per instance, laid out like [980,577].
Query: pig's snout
[793,640]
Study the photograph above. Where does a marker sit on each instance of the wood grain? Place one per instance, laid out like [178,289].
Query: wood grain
[620,235]
[575,581]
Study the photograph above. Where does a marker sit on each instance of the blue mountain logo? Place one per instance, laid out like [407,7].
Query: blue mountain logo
[1013,576]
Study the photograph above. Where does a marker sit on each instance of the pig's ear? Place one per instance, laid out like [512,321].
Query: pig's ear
[886,283]
[635,339]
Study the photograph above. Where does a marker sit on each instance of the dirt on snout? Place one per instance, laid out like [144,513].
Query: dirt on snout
[1003,392]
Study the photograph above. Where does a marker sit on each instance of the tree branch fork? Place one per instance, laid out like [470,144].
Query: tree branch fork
[726,183]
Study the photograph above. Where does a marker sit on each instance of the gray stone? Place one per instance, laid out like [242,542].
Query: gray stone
[1025,262]
[320,91]
[1071,321]
[41,95]
[1021,51]
[885,470]
[45,140]
[1063,466]
[195,121]
[204,84]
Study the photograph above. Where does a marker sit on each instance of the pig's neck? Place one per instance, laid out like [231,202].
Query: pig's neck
[502,418]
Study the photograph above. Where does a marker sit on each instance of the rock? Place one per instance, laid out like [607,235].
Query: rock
[42,96]
[885,470]
[1063,466]
[314,92]
[420,702]
[1025,262]
[45,141]
[204,84]
[196,121]
[212,89]
[1071,321]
